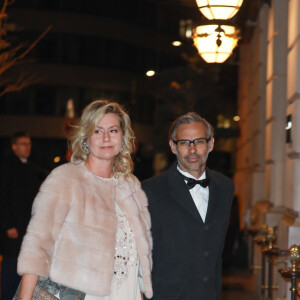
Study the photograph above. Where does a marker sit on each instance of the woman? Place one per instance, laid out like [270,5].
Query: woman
[90,227]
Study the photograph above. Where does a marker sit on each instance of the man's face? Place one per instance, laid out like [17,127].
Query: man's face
[22,147]
[192,159]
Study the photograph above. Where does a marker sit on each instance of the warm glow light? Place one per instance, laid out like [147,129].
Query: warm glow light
[150,73]
[189,33]
[226,123]
[70,111]
[176,43]
[56,159]
[219,9]
[215,43]
[236,118]
[289,125]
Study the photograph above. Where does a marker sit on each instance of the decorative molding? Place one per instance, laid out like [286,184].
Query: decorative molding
[256,132]
[257,99]
[258,168]
[293,155]
[294,98]
[266,1]
[294,43]
[270,120]
[269,161]
[244,169]
[292,213]
[288,218]
[271,78]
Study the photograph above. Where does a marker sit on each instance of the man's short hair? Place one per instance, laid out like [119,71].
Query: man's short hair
[189,118]
[14,138]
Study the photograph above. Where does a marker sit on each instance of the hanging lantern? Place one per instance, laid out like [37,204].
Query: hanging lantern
[215,43]
[219,9]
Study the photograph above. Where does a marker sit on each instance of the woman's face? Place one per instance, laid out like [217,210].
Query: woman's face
[105,143]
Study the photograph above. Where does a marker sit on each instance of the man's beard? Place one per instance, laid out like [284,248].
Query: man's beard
[201,163]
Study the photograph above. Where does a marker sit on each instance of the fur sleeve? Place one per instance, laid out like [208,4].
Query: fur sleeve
[142,201]
[49,210]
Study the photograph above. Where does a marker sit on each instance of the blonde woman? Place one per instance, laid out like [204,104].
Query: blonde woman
[90,227]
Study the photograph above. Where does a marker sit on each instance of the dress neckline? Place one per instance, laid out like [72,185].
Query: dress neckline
[113,179]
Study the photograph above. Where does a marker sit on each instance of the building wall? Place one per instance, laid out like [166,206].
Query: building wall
[93,51]
[268,96]
[250,160]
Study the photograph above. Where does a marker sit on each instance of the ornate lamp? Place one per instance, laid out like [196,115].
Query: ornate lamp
[219,9]
[215,43]
[293,272]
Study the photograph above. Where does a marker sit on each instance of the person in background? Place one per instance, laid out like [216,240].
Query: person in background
[190,208]
[18,186]
[90,226]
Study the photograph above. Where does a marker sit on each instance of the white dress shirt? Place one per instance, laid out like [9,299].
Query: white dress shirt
[199,194]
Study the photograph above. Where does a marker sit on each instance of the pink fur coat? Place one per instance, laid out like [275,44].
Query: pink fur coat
[72,233]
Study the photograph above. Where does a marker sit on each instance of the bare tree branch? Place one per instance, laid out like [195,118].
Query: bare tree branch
[23,81]
[3,10]
[10,56]
[21,56]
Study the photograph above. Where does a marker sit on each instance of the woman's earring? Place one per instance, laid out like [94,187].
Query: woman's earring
[122,146]
[85,147]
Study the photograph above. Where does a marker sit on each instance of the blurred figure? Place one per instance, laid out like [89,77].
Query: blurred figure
[18,186]
[90,227]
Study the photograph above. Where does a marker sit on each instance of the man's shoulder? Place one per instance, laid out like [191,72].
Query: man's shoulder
[9,158]
[220,178]
[9,162]
[218,175]
[155,180]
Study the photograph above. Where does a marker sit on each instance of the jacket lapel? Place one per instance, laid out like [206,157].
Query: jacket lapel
[180,192]
[213,196]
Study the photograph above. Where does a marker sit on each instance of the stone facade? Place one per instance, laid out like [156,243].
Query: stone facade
[268,153]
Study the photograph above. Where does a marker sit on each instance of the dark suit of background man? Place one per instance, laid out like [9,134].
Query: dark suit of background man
[189,222]
[18,187]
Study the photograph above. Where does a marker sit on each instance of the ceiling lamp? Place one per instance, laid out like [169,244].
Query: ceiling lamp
[150,73]
[215,43]
[219,9]
[176,43]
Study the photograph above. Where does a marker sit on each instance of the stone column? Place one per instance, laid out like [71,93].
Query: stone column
[251,102]
[275,102]
[289,225]
[242,152]
[250,173]
[292,147]
[276,121]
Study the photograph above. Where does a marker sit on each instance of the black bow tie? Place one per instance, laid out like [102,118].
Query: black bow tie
[192,182]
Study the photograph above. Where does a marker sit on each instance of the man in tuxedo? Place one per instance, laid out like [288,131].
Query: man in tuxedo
[190,209]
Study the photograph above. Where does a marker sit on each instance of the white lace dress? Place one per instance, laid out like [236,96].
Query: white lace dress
[124,284]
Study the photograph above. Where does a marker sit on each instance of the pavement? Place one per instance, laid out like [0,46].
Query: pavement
[239,285]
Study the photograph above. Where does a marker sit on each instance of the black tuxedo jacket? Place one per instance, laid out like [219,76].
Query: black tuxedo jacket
[19,183]
[187,252]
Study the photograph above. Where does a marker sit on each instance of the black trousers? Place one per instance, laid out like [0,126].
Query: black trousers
[9,277]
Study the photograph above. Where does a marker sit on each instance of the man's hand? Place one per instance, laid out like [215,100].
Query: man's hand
[12,233]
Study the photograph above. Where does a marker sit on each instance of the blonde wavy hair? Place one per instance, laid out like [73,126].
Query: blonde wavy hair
[90,118]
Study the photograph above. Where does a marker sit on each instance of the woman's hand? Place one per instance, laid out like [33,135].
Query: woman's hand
[28,283]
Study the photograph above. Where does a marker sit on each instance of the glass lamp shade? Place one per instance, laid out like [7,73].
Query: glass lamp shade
[215,43]
[219,9]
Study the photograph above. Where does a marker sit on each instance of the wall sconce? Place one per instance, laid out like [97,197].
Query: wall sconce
[215,43]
